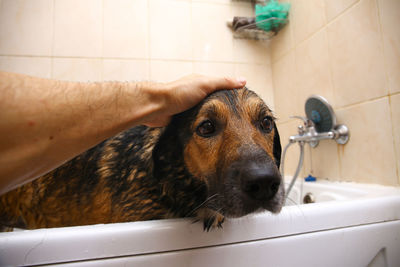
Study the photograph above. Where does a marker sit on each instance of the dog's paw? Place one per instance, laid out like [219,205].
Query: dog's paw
[211,218]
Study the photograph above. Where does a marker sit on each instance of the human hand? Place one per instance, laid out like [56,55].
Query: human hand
[186,92]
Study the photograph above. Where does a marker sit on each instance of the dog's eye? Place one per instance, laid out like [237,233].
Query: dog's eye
[267,124]
[205,129]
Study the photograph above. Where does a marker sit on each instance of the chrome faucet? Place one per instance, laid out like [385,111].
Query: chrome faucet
[320,124]
[308,133]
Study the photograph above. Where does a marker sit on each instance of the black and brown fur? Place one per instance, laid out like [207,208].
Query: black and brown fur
[155,173]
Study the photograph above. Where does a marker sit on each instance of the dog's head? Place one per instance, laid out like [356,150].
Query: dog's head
[230,144]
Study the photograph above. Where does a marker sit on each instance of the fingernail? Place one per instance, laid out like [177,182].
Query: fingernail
[241,80]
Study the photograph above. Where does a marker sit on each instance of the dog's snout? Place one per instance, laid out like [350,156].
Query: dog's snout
[260,183]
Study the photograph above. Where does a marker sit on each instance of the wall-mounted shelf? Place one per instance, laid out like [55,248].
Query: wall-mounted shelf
[254,30]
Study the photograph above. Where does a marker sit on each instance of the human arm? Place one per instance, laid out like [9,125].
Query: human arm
[44,123]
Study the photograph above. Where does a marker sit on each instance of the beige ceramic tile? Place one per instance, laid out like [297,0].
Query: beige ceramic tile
[369,156]
[291,160]
[35,66]
[395,109]
[77,69]
[170,29]
[245,50]
[213,1]
[166,71]
[126,29]
[356,55]
[307,17]
[126,70]
[78,28]
[312,69]
[307,163]
[251,51]
[258,80]
[325,160]
[242,8]
[390,20]
[282,42]
[212,39]
[26,27]
[335,7]
[214,69]
[286,92]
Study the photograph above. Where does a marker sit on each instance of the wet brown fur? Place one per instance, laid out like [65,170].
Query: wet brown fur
[149,173]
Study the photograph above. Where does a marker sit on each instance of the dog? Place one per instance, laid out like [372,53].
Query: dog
[219,159]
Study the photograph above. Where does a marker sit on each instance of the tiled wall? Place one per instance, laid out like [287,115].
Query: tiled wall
[345,50]
[349,52]
[158,40]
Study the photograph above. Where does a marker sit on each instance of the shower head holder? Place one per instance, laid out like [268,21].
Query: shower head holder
[320,123]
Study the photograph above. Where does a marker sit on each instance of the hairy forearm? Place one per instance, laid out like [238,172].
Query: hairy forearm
[46,122]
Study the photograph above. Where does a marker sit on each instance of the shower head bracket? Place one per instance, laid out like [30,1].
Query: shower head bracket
[320,124]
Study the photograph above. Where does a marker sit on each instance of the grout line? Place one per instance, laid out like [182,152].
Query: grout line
[288,120]
[140,59]
[396,153]
[383,46]
[326,25]
[370,100]
[341,13]
[137,58]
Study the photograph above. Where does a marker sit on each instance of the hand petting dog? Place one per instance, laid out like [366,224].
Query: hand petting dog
[45,123]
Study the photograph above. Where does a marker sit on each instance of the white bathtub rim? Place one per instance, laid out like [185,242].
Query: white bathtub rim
[137,238]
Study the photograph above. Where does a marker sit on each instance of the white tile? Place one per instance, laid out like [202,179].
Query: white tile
[212,39]
[78,28]
[35,66]
[126,70]
[126,29]
[77,69]
[26,27]
[166,71]
[170,29]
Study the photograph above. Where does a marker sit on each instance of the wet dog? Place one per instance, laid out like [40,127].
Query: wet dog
[219,159]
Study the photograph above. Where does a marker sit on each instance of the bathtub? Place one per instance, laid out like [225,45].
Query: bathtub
[348,225]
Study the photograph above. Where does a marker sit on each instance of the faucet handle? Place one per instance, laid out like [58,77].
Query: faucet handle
[307,122]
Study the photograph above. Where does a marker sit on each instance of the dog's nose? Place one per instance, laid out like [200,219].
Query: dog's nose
[260,183]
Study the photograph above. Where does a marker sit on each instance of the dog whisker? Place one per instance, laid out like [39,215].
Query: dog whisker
[201,205]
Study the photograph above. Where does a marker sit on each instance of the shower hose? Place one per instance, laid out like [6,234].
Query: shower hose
[296,174]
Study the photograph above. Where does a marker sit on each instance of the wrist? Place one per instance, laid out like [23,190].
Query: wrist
[150,101]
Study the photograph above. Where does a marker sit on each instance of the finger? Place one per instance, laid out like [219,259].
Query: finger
[228,83]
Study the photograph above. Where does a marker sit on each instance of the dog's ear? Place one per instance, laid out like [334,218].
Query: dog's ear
[277,147]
